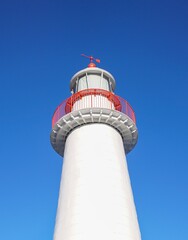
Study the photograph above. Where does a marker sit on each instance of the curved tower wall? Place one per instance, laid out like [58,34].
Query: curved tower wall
[95,199]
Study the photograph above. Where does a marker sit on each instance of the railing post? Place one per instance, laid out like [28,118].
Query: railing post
[126,107]
[111,101]
[91,100]
[58,112]
[71,105]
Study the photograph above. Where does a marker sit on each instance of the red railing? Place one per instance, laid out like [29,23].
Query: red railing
[88,100]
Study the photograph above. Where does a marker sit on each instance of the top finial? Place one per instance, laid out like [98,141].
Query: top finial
[91,64]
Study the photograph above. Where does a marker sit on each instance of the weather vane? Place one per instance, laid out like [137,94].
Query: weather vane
[92,60]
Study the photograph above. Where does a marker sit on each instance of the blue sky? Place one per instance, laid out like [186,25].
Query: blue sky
[144,44]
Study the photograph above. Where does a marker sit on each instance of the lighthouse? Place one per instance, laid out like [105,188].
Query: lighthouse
[94,130]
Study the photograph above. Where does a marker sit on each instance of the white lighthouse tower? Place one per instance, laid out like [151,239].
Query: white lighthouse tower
[93,130]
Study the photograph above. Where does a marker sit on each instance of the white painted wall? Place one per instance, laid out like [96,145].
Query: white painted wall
[95,200]
[93,101]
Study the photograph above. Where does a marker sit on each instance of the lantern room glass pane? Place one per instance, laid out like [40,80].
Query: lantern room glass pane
[82,83]
[93,81]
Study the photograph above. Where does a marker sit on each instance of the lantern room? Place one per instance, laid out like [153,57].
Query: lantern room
[92,78]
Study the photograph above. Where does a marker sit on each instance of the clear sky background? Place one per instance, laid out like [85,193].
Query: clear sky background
[144,44]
